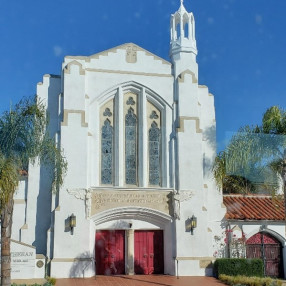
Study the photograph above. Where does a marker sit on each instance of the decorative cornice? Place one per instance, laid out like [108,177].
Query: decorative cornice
[129,72]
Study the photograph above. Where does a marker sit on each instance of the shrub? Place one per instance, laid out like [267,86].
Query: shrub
[51,280]
[249,281]
[238,266]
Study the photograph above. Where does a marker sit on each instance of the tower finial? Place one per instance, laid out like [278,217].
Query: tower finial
[182,2]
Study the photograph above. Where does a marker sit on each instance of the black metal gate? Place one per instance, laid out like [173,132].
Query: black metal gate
[266,247]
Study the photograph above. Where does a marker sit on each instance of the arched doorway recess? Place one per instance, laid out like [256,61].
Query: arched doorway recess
[263,245]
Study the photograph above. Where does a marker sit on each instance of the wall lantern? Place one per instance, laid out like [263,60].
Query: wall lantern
[193,223]
[72,222]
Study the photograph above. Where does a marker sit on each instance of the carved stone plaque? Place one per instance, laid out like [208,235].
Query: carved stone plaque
[131,54]
[104,200]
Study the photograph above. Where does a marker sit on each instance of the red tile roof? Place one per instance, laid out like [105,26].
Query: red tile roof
[23,173]
[254,207]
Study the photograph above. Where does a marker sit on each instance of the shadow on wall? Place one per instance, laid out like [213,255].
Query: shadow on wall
[83,265]
[43,214]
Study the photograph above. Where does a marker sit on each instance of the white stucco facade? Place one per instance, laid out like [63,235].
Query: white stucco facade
[156,193]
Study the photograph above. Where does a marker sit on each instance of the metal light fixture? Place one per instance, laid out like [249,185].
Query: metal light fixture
[193,223]
[72,222]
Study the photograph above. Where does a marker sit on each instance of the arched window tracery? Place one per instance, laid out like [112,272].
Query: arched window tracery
[128,157]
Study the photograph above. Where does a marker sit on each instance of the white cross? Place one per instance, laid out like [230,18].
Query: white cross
[182,2]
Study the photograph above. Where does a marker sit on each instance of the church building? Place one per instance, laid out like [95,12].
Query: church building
[138,133]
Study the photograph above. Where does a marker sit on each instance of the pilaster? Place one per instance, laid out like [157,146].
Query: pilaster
[130,252]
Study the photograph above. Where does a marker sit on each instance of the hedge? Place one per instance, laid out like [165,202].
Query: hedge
[249,281]
[239,266]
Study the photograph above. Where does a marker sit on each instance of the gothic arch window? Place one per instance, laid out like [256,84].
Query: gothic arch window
[154,154]
[154,145]
[107,149]
[186,30]
[131,142]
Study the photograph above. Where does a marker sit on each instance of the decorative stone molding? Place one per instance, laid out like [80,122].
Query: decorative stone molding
[82,194]
[129,72]
[70,111]
[68,67]
[104,200]
[131,54]
[126,213]
[181,76]
[123,47]
[177,199]
[182,124]
[195,258]
[206,264]
[19,202]
[25,226]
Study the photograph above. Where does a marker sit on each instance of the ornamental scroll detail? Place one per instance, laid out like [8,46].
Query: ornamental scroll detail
[177,199]
[85,195]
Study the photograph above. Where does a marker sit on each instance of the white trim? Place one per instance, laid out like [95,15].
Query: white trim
[134,87]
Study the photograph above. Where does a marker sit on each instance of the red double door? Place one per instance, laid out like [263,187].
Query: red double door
[148,252]
[110,252]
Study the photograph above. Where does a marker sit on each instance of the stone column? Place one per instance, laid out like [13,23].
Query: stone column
[130,252]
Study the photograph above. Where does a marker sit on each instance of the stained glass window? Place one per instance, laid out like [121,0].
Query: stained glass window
[154,154]
[106,153]
[131,147]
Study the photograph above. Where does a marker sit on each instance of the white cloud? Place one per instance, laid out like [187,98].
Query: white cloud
[210,20]
[57,51]
[137,15]
[258,19]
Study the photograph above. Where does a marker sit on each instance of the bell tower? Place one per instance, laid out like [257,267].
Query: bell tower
[183,47]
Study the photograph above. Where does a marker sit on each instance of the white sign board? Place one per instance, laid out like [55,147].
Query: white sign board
[23,257]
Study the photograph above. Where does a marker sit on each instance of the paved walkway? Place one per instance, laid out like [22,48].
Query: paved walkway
[140,280]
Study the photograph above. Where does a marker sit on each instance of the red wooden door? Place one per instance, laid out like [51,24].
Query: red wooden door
[266,247]
[148,254]
[110,252]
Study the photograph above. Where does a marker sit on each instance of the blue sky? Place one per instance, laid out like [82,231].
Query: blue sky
[241,44]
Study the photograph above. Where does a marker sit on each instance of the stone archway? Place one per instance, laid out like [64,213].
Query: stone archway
[122,248]
[265,246]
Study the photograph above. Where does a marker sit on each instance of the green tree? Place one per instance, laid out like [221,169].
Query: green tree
[23,139]
[254,159]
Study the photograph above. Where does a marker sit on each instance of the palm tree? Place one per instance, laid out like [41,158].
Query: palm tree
[274,125]
[230,183]
[255,157]
[23,139]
